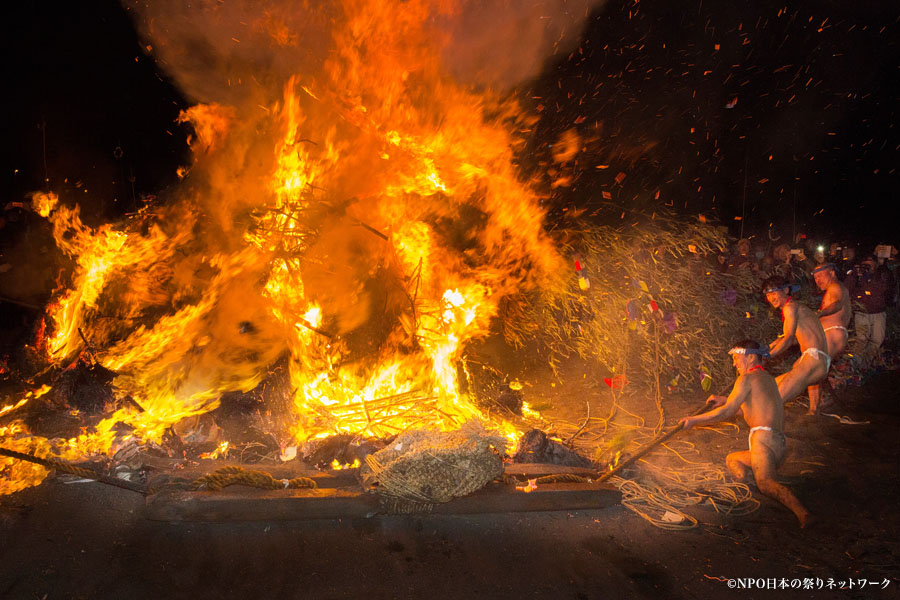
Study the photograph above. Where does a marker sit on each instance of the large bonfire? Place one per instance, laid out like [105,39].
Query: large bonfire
[358,220]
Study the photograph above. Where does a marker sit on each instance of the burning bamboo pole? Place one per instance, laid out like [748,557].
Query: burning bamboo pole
[65,467]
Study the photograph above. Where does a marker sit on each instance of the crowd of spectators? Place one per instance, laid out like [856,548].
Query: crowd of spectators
[868,271]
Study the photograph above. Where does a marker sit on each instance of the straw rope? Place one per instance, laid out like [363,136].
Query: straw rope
[234,475]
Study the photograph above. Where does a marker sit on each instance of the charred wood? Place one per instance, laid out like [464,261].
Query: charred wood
[536,447]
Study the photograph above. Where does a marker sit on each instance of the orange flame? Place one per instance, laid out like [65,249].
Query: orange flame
[378,201]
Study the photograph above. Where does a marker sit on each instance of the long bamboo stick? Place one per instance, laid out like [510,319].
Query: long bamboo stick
[663,437]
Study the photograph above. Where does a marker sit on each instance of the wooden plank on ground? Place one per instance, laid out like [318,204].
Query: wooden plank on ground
[188,472]
[533,470]
[242,504]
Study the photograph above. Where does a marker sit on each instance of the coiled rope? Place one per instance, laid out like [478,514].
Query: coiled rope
[658,494]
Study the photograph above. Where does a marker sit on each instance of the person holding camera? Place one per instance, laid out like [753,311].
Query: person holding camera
[848,264]
[871,288]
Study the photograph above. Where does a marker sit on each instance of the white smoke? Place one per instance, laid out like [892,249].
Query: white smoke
[229,51]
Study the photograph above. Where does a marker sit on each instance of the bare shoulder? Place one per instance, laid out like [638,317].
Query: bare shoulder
[803,311]
[744,383]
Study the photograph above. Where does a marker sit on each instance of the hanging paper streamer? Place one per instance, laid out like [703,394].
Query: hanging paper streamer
[729,297]
[616,382]
[670,324]
[583,282]
[633,310]
[705,379]
[672,384]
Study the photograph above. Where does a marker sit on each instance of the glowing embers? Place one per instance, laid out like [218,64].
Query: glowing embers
[363,228]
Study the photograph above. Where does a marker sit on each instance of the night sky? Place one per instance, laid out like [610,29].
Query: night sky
[783,113]
[82,84]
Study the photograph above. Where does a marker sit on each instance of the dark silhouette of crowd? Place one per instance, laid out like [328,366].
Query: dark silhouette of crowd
[868,271]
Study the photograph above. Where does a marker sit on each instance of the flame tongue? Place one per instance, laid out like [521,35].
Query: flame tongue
[366,225]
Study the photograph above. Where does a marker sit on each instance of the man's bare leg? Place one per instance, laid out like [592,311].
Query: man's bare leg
[790,384]
[829,397]
[815,396]
[837,343]
[805,371]
[822,397]
[738,464]
[764,468]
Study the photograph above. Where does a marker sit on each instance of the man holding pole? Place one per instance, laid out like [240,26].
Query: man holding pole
[834,315]
[801,325]
[755,394]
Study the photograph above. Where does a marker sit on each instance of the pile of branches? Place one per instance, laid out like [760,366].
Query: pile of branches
[658,310]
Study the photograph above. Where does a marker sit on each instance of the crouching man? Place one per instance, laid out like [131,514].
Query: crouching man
[755,394]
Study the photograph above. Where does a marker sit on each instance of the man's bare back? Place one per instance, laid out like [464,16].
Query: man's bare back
[805,325]
[756,395]
[835,311]
[801,325]
[762,406]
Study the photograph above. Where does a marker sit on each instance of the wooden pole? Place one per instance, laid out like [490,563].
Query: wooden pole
[663,437]
[65,467]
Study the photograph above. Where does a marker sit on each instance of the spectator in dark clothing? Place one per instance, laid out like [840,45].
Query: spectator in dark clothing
[788,263]
[834,254]
[871,288]
[847,266]
[803,264]
[781,261]
[742,259]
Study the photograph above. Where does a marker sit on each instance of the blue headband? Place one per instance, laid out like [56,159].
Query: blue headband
[763,352]
[823,267]
[793,288]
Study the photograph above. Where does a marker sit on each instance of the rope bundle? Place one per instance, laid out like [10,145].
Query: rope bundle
[430,467]
[234,475]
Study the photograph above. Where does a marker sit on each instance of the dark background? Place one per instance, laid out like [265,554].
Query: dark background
[785,115]
[809,145]
[89,112]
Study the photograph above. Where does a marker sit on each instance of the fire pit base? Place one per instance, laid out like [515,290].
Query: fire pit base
[245,504]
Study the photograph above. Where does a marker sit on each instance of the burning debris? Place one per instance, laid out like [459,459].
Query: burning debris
[536,447]
[350,229]
[351,222]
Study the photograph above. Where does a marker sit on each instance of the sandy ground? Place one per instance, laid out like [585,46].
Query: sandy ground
[91,541]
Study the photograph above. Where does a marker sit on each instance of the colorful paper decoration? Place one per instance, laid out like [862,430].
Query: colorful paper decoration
[729,297]
[705,379]
[633,310]
[670,322]
[616,382]
[583,282]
